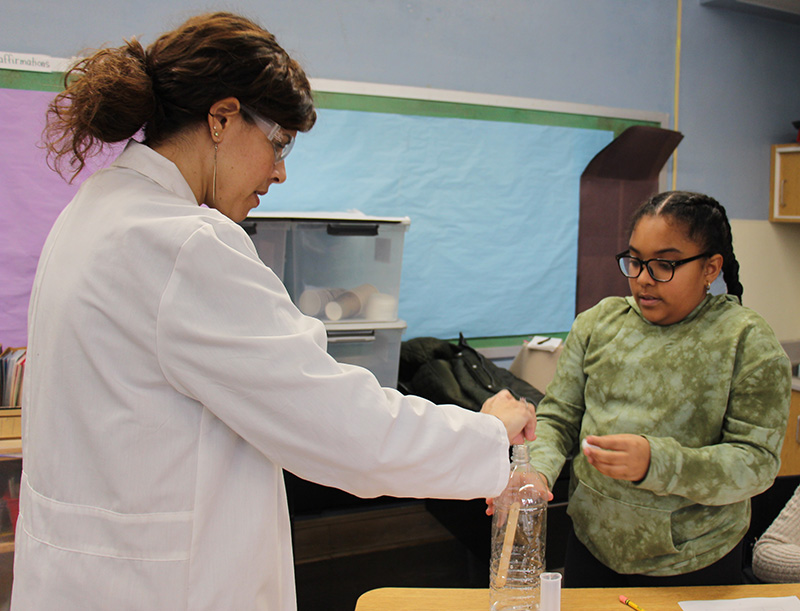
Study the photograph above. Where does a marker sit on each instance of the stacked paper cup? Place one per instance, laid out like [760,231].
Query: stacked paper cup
[337,304]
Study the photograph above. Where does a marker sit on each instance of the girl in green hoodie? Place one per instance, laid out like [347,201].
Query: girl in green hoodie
[679,399]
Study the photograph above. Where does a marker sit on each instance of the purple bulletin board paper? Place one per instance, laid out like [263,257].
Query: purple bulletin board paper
[31,197]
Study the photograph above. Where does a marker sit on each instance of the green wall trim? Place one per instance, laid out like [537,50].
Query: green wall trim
[54,81]
[460,110]
[31,81]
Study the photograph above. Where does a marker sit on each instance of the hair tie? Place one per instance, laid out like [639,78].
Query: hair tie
[149,68]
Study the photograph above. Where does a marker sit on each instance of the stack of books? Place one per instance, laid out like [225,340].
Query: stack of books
[12,369]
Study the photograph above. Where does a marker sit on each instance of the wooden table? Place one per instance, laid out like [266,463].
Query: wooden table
[589,599]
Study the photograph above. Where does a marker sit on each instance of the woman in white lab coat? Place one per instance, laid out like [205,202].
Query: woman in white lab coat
[170,378]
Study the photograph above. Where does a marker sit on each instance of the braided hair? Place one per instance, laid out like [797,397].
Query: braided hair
[706,223]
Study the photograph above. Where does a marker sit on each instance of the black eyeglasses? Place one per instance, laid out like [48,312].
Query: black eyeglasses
[660,270]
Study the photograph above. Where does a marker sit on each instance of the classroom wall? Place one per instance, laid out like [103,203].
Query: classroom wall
[740,73]
[739,87]
[769,255]
[739,93]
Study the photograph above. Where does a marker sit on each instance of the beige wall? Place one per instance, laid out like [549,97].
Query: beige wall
[769,258]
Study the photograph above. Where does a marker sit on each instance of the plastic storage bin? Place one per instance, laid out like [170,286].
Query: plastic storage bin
[343,268]
[336,266]
[374,346]
[269,239]
[346,269]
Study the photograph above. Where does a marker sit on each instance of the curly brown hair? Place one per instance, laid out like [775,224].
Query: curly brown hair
[114,93]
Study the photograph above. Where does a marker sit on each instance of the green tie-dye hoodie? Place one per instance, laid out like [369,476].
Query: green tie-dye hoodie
[710,393]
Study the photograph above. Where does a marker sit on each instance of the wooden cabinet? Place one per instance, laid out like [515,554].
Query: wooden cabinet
[790,454]
[785,184]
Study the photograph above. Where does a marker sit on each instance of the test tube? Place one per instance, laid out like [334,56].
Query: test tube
[550,592]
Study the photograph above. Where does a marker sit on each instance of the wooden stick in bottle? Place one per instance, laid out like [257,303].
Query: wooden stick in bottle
[508,544]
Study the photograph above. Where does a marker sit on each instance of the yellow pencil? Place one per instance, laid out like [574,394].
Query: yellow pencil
[631,604]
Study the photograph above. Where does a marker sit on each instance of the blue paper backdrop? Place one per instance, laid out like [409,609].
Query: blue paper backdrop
[492,246]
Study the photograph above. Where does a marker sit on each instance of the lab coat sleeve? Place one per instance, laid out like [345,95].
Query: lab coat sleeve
[230,338]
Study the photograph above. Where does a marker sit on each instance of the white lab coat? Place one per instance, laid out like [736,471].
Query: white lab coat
[169,380]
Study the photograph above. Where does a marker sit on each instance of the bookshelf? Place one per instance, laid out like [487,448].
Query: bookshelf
[10,424]
[10,467]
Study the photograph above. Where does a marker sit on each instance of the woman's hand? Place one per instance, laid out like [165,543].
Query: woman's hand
[519,417]
[623,456]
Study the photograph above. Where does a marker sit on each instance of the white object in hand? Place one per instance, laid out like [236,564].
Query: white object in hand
[586,445]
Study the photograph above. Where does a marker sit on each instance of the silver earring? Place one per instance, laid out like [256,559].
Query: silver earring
[214,180]
[216,134]
[708,287]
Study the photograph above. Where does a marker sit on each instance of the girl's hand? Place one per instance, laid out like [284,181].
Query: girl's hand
[624,456]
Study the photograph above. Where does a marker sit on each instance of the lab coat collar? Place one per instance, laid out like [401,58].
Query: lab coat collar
[144,160]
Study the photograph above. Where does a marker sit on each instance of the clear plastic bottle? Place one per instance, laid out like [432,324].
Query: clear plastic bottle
[518,538]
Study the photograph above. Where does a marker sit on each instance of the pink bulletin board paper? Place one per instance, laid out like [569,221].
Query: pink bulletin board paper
[31,197]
